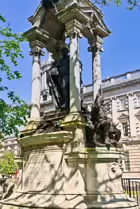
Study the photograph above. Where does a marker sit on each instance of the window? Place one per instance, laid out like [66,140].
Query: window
[123,104]
[9,142]
[136,100]
[127,161]
[8,148]
[137,119]
[16,147]
[125,128]
[15,152]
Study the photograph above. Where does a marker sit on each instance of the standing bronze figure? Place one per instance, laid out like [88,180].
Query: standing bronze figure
[58,81]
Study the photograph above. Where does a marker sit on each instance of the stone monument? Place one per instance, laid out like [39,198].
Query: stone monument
[71,158]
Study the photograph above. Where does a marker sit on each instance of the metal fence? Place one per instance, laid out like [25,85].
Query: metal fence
[132,188]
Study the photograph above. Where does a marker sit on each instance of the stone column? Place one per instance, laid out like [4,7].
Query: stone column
[114,110]
[131,115]
[96,48]
[43,81]
[75,69]
[36,52]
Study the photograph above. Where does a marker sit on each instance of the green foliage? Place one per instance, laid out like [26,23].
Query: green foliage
[8,165]
[131,4]
[11,115]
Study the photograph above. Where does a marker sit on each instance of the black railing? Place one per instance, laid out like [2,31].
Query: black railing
[132,188]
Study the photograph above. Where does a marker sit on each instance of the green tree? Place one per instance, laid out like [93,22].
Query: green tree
[14,113]
[130,4]
[8,166]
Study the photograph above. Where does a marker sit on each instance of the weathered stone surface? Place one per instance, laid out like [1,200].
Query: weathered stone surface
[58,176]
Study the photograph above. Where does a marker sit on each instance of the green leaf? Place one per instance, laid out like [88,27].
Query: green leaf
[2,18]
[18,75]
[1,61]
[8,165]
[14,114]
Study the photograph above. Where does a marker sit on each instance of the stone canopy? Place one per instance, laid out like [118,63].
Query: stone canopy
[50,25]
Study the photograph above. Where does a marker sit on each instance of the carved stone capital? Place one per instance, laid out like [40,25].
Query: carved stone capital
[36,48]
[73,28]
[73,33]
[96,42]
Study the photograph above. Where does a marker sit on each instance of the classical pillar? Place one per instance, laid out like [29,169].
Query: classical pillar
[36,52]
[75,71]
[43,81]
[96,48]
[114,110]
[131,115]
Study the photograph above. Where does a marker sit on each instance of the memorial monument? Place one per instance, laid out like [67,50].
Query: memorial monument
[71,158]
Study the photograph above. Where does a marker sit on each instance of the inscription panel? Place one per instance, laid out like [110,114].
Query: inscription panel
[41,169]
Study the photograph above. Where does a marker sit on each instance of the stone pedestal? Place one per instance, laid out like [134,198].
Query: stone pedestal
[59,172]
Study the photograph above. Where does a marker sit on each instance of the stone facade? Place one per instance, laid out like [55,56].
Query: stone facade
[122,102]
[10,144]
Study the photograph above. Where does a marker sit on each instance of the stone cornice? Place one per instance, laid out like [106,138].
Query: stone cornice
[98,153]
[72,12]
[42,36]
[48,139]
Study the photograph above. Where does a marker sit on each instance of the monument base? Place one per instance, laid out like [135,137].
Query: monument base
[71,204]
[59,172]
[29,200]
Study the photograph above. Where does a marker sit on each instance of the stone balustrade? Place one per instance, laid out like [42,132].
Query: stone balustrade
[115,80]
[121,78]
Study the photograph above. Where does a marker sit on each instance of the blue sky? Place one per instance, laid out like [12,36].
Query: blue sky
[121,48]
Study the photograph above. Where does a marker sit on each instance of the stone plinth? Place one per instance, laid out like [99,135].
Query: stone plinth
[57,174]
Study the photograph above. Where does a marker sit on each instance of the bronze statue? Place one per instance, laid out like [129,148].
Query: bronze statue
[58,81]
[100,129]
